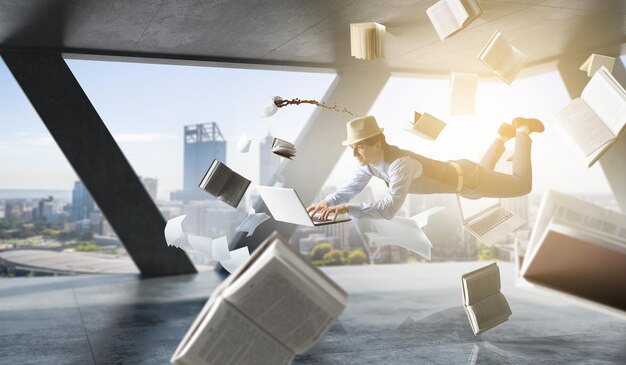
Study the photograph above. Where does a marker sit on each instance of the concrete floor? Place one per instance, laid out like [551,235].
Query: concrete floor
[397,314]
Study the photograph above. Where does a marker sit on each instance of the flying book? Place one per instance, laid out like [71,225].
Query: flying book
[367,41]
[578,249]
[502,58]
[283,148]
[275,306]
[225,184]
[594,121]
[595,62]
[485,305]
[462,93]
[450,16]
[425,126]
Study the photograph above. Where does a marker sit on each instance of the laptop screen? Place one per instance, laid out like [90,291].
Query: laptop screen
[472,207]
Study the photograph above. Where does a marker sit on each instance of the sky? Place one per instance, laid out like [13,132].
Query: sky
[145,106]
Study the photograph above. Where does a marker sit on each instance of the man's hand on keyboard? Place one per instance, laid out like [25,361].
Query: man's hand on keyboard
[333,212]
[317,208]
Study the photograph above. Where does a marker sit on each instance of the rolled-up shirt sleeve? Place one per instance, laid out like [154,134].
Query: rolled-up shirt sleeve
[402,172]
[348,191]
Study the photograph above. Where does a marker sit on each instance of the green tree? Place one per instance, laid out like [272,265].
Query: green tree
[87,247]
[321,249]
[334,257]
[485,253]
[357,257]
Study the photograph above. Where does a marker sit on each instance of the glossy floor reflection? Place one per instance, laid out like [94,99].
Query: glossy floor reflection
[397,314]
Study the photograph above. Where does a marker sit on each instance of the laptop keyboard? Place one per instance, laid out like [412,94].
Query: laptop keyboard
[316,218]
[489,222]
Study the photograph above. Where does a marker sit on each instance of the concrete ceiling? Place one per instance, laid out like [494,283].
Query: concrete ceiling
[312,34]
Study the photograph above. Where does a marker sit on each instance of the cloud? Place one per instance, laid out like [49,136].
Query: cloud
[144,137]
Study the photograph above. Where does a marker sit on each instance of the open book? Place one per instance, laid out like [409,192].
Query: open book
[485,305]
[595,62]
[449,16]
[502,58]
[594,121]
[225,184]
[283,148]
[367,41]
[275,306]
[579,249]
[425,126]
[462,93]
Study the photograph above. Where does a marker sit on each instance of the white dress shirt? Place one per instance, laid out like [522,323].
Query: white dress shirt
[399,175]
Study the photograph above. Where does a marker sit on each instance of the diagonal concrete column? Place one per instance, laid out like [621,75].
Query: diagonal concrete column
[319,146]
[97,159]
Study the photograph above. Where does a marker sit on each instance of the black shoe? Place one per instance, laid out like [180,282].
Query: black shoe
[506,130]
[533,124]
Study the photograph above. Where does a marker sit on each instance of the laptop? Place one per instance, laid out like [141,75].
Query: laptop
[486,219]
[286,206]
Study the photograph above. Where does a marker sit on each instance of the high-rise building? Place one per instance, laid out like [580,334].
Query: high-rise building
[203,144]
[82,202]
[150,184]
[268,162]
[44,210]
[13,209]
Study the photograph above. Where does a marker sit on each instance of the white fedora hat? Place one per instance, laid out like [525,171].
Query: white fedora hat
[361,128]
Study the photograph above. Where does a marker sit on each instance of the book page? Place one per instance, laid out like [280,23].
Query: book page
[495,52]
[583,126]
[354,40]
[606,97]
[511,65]
[284,303]
[233,191]
[490,311]
[594,219]
[595,62]
[458,11]
[445,19]
[473,10]
[577,213]
[481,283]
[208,306]
[207,176]
[380,42]
[216,178]
[228,337]
[283,148]
[429,125]
[402,232]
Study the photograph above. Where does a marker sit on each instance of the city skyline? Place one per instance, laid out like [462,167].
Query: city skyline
[149,133]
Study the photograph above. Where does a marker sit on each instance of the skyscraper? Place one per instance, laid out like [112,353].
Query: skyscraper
[82,202]
[203,143]
[268,162]
[150,184]
[13,210]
